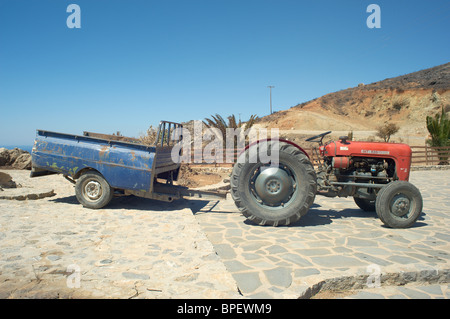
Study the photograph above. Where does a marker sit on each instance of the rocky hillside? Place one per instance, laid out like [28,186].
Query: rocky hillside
[15,158]
[404,100]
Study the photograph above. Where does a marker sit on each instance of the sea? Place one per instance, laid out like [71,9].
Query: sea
[22,147]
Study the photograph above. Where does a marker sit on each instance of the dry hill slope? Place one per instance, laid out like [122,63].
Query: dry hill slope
[405,100]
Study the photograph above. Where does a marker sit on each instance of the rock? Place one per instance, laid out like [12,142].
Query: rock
[16,158]
[132,275]
[6,181]
[14,154]
[280,276]
[248,281]
[23,161]
[54,257]
[28,196]
[4,156]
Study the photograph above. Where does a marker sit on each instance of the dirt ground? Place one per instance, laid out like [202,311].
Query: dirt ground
[198,176]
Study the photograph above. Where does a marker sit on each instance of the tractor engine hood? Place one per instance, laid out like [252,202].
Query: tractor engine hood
[367,149]
[400,153]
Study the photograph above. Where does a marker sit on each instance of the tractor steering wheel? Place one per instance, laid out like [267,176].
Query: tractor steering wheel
[317,138]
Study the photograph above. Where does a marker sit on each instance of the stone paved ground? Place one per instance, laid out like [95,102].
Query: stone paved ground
[139,248]
[134,248]
[336,245]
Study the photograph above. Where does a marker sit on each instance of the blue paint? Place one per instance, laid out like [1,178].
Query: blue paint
[123,165]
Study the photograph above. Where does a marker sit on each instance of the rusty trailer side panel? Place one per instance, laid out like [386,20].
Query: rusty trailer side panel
[123,165]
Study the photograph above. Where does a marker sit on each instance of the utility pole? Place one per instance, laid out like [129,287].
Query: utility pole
[270,88]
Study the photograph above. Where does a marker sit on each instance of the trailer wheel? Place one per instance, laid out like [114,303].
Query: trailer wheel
[270,194]
[93,191]
[399,204]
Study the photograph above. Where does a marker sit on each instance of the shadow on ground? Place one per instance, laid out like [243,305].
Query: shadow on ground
[314,217]
[138,203]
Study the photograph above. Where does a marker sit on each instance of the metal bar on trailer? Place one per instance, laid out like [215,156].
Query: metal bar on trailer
[364,185]
[183,191]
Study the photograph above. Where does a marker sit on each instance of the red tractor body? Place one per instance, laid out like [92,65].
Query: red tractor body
[375,174]
[346,152]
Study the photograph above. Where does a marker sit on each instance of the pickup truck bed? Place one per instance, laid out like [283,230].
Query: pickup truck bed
[124,165]
[102,166]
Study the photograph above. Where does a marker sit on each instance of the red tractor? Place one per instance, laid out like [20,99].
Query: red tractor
[375,174]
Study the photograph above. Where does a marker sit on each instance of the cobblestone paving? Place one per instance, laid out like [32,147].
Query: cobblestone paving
[336,245]
[134,248]
[138,248]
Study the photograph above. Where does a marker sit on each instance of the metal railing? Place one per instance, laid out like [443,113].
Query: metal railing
[421,155]
[428,155]
[165,133]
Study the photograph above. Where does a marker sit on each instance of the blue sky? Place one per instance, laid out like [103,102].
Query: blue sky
[133,63]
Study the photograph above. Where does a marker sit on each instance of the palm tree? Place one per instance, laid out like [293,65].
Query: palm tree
[217,121]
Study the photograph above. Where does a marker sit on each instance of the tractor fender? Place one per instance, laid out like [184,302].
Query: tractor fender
[279,140]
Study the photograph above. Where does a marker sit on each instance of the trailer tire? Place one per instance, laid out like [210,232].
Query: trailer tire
[274,195]
[93,191]
[399,204]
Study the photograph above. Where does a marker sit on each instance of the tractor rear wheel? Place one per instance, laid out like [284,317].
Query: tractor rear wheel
[366,205]
[269,194]
[399,204]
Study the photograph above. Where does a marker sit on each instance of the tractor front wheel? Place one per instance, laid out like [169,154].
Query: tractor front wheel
[399,204]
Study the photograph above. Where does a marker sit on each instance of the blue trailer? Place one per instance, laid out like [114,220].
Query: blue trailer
[103,166]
